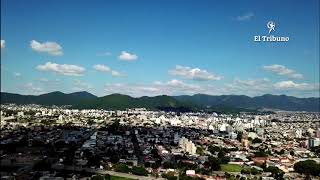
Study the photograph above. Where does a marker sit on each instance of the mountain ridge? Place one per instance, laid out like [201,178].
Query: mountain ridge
[282,102]
[85,99]
[52,98]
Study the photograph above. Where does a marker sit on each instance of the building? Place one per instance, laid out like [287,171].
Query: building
[187,146]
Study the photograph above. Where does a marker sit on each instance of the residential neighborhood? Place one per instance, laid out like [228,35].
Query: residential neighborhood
[59,142]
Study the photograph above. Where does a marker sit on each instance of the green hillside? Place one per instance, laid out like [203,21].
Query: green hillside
[119,101]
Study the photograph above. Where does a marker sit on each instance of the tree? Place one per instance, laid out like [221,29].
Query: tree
[275,172]
[215,163]
[256,140]
[221,154]
[169,176]
[203,171]
[224,160]
[147,164]
[168,165]
[114,158]
[260,154]
[94,160]
[254,171]
[316,150]
[200,150]
[281,152]
[157,164]
[239,136]
[139,171]
[121,168]
[245,171]
[291,153]
[114,126]
[213,149]
[97,177]
[308,167]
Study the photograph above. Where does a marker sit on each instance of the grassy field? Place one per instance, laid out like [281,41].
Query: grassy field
[231,168]
[120,178]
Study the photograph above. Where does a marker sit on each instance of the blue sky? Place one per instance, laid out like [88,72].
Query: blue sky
[159,47]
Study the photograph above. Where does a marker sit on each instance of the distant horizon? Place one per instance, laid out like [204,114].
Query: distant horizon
[161,94]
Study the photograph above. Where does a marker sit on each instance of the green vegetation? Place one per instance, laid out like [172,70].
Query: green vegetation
[171,176]
[252,171]
[275,172]
[140,171]
[256,140]
[215,163]
[120,178]
[239,136]
[221,153]
[109,177]
[214,149]
[231,168]
[121,168]
[228,104]
[200,150]
[53,98]
[315,150]
[260,154]
[308,167]
[119,101]
[224,102]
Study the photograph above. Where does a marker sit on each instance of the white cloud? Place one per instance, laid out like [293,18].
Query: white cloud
[64,69]
[172,87]
[49,82]
[248,87]
[255,83]
[79,85]
[193,73]
[283,71]
[290,85]
[126,56]
[135,90]
[3,43]
[245,17]
[101,68]
[16,74]
[30,88]
[51,48]
[174,83]
[175,86]
[117,74]
[255,87]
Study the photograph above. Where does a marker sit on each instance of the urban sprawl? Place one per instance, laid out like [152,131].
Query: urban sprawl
[39,142]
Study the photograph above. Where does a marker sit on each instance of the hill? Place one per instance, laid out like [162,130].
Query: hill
[53,98]
[119,101]
[223,103]
[282,102]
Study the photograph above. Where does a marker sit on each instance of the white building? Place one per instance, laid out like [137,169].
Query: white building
[187,146]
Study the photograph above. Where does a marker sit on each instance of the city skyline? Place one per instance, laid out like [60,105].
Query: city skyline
[154,48]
